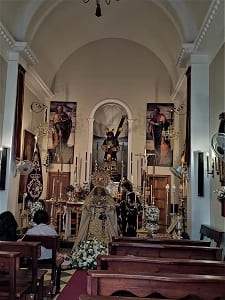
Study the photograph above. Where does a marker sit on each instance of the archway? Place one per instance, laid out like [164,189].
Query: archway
[97,125]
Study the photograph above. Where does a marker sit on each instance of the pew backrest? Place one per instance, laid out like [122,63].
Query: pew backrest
[9,263]
[160,265]
[30,250]
[165,250]
[106,283]
[130,239]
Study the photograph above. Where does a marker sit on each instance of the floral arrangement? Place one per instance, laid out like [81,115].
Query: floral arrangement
[35,206]
[70,188]
[85,256]
[81,193]
[221,193]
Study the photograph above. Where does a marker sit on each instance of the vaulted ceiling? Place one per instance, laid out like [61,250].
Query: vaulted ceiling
[56,29]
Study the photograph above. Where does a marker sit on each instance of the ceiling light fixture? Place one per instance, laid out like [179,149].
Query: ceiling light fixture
[98,12]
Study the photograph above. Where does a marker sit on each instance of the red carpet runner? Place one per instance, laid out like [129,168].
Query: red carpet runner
[76,286]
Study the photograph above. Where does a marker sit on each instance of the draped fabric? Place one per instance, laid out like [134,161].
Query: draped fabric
[18,112]
[34,186]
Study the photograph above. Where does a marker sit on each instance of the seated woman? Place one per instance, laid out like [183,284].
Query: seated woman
[41,218]
[99,217]
[8,227]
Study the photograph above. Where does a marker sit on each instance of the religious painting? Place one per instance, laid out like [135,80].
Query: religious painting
[61,142]
[159,120]
[28,145]
[18,113]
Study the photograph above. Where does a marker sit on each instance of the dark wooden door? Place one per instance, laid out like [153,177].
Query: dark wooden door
[159,183]
[56,179]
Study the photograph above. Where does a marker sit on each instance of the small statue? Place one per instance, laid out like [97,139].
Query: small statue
[111,146]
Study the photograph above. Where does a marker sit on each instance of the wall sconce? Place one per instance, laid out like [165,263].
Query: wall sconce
[210,169]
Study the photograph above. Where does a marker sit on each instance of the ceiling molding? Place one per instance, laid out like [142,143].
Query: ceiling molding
[206,24]
[9,44]
[191,48]
[36,85]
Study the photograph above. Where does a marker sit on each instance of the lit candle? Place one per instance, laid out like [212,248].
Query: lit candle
[151,193]
[131,163]
[53,187]
[85,170]
[60,190]
[145,151]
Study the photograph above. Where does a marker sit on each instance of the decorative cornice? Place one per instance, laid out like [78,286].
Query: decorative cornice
[36,85]
[184,55]
[9,44]
[206,24]
[188,49]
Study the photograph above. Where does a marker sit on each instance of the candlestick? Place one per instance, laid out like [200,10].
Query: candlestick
[173,197]
[137,173]
[167,202]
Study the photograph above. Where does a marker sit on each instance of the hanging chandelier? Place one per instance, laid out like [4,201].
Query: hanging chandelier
[98,12]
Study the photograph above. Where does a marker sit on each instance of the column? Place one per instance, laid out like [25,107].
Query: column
[199,207]
[8,129]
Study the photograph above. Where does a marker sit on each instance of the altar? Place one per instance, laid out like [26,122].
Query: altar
[64,216]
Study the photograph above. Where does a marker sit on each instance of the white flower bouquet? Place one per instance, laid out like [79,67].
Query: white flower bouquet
[37,205]
[85,256]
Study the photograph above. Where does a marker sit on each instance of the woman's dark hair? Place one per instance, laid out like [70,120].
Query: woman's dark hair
[41,216]
[7,220]
[8,226]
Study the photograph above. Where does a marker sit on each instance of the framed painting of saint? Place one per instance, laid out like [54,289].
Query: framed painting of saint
[159,119]
[61,142]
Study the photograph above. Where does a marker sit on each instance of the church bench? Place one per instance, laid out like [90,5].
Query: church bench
[160,265]
[165,250]
[87,297]
[49,242]
[212,234]
[106,283]
[9,287]
[28,251]
[132,239]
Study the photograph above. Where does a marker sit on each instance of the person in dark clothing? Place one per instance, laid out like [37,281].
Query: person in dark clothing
[8,227]
[130,206]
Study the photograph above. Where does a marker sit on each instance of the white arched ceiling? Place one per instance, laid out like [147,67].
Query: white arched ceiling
[57,28]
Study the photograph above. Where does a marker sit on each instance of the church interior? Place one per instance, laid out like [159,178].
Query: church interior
[113,122]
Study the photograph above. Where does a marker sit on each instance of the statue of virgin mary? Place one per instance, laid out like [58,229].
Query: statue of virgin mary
[98,217]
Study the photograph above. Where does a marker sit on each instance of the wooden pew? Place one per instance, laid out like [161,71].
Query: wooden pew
[211,233]
[106,283]
[87,297]
[160,265]
[49,242]
[31,251]
[9,287]
[131,239]
[164,250]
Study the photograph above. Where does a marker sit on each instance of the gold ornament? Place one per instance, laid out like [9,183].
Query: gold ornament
[101,177]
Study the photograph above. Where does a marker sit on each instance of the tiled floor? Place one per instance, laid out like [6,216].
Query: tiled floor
[65,277]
